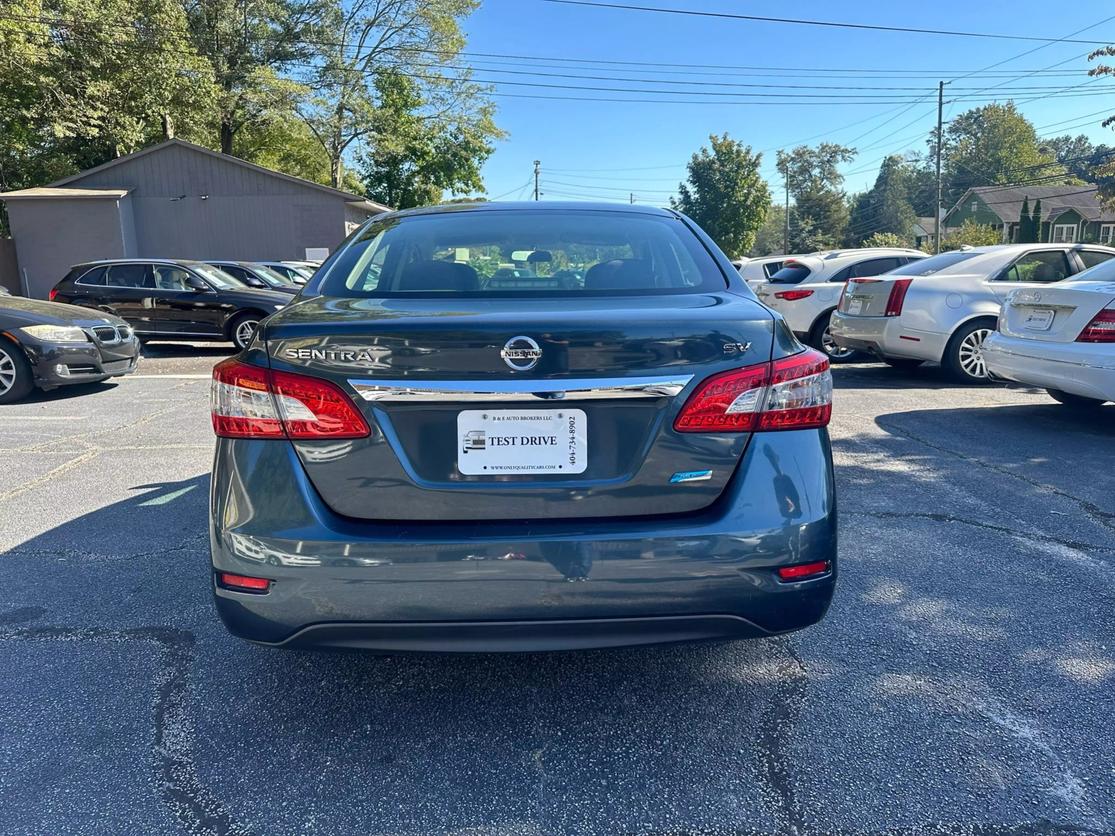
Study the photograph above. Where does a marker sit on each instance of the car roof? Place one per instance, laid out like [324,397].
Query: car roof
[1022,248]
[534,206]
[179,262]
[827,260]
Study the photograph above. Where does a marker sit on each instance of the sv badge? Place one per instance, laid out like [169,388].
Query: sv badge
[736,348]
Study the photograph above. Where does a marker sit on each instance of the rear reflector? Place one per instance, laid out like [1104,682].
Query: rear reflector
[252,402]
[1101,329]
[897,296]
[52,294]
[243,583]
[804,571]
[793,295]
[792,393]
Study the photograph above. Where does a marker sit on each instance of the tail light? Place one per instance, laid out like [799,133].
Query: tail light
[897,296]
[793,295]
[52,294]
[1101,329]
[793,393]
[252,402]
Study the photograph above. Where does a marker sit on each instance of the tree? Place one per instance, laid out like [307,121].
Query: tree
[886,207]
[366,39]
[971,234]
[820,216]
[725,194]
[1105,172]
[249,45]
[1035,221]
[416,157]
[768,238]
[885,239]
[994,144]
[1026,233]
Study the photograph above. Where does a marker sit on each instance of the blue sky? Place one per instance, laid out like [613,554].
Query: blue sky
[609,149]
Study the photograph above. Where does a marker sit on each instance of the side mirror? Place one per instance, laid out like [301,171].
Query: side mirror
[195,283]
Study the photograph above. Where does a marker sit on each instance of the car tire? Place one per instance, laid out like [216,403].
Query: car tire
[820,339]
[904,364]
[1074,401]
[963,358]
[242,329]
[16,380]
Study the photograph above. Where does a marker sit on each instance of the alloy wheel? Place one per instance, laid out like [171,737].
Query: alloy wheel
[832,349]
[244,332]
[970,353]
[7,372]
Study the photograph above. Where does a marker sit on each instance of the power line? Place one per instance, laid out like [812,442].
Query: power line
[826,23]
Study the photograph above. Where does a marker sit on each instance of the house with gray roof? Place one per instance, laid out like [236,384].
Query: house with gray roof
[175,200]
[1068,213]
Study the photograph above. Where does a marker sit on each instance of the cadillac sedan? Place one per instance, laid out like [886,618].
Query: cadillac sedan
[509,427]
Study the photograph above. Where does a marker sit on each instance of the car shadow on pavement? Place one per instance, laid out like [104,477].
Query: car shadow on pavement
[882,376]
[63,393]
[174,349]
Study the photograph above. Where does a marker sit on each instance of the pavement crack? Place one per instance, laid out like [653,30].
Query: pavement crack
[773,744]
[1096,514]
[198,810]
[998,529]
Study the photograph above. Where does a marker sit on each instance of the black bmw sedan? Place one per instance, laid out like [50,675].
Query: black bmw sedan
[507,427]
[171,300]
[47,345]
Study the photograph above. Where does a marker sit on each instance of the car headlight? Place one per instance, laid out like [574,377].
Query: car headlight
[55,333]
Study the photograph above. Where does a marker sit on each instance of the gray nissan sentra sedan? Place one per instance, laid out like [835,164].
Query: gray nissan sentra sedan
[518,427]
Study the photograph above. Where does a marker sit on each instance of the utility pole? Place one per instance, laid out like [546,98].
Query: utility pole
[632,197]
[786,230]
[537,171]
[940,124]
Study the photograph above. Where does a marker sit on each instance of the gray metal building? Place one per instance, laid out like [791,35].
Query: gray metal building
[175,200]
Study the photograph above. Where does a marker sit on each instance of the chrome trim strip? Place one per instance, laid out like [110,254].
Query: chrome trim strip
[457,391]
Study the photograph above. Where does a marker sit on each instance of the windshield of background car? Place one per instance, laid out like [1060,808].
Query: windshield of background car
[218,278]
[490,253]
[933,264]
[271,277]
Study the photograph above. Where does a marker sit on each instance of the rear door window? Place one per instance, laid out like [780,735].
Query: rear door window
[1039,267]
[96,276]
[493,253]
[129,275]
[1093,257]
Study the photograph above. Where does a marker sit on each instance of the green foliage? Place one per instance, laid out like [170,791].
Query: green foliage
[887,207]
[885,239]
[1027,234]
[971,234]
[993,144]
[1035,220]
[725,194]
[820,216]
[768,238]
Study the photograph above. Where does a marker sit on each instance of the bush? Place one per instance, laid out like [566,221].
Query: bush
[885,239]
[971,234]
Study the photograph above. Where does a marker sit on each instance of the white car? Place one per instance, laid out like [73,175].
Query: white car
[942,309]
[807,289]
[757,271]
[1061,338]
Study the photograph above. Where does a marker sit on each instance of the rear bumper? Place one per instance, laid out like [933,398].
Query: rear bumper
[1075,368]
[523,585]
[886,336]
[60,364]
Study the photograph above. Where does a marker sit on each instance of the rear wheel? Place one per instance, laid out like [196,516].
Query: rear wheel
[243,328]
[902,363]
[1075,401]
[821,339]
[15,373]
[964,354]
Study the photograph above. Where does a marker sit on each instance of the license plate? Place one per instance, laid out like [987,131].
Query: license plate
[493,442]
[855,306]
[1039,319]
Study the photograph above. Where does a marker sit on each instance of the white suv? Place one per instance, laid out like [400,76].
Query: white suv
[807,289]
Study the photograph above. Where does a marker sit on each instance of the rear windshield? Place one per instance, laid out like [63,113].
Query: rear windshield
[790,274]
[933,264]
[522,253]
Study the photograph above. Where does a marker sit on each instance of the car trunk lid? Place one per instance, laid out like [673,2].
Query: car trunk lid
[463,426]
[1055,313]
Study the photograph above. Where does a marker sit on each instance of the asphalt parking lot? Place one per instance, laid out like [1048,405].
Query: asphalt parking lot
[962,682]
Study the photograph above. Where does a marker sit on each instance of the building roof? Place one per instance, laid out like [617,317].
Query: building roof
[50,192]
[347,196]
[1006,202]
